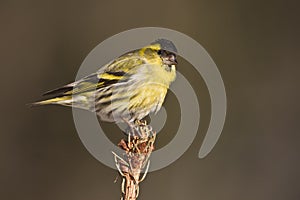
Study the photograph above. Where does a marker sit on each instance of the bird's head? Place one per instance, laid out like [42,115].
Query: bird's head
[168,58]
[167,51]
[163,49]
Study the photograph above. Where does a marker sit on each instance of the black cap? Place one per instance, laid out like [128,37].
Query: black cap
[166,45]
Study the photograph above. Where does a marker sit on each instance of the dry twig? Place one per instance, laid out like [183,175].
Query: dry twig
[138,148]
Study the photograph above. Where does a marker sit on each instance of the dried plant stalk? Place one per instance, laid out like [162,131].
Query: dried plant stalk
[135,160]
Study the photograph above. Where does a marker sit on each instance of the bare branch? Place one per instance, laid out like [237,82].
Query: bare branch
[135,159]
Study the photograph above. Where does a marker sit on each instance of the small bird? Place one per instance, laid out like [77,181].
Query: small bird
[126,89]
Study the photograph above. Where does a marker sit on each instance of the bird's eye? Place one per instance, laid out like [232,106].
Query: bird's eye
[159,52]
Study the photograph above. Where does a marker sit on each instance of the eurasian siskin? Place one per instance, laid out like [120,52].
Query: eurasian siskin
[127,89]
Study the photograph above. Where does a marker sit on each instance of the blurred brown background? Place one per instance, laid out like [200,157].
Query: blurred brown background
[256,47]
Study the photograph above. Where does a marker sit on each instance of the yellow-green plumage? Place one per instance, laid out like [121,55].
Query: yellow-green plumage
[128,88]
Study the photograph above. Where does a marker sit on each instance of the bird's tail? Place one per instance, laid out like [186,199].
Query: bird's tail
[64,100]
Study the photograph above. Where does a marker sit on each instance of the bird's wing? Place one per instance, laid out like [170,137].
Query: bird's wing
[119,70]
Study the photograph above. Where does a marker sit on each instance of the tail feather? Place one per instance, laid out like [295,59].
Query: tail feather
[59,91]
[66,100]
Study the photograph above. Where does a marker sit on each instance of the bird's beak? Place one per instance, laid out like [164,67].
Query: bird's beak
[174,62]
[171,59]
